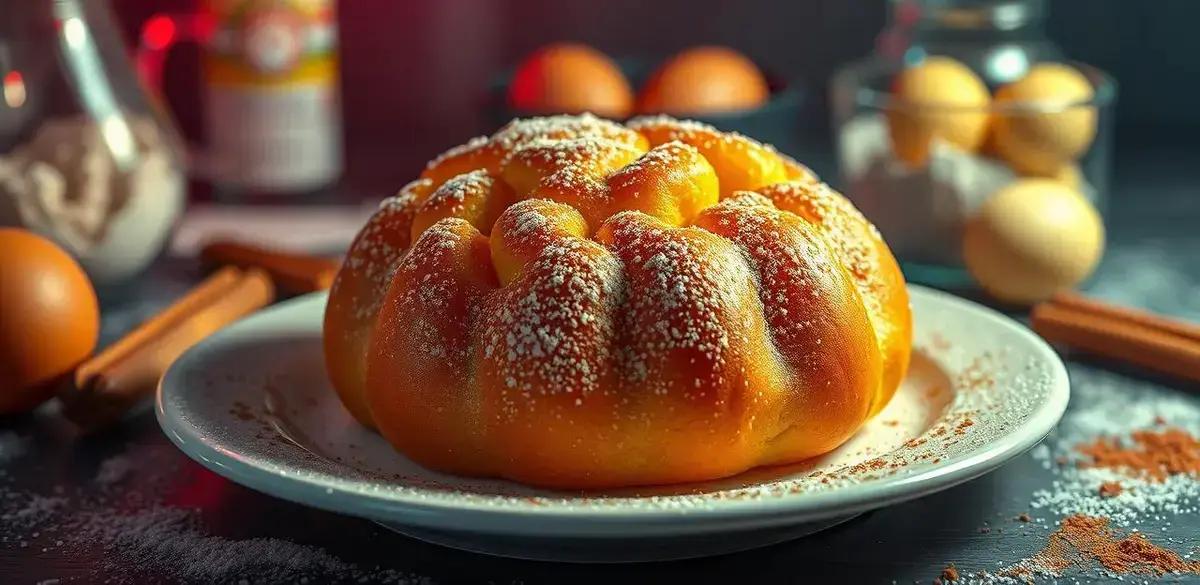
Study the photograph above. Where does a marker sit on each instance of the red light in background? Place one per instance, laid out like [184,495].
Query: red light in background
[14,89]
[159,33]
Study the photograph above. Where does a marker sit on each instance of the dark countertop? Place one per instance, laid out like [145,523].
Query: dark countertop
[126,506]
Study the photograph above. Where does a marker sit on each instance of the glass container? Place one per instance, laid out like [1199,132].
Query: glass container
[922,204]
[86,157]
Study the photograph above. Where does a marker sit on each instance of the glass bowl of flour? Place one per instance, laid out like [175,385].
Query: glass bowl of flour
[86,157]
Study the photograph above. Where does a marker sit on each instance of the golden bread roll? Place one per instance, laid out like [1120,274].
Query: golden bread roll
[574,303]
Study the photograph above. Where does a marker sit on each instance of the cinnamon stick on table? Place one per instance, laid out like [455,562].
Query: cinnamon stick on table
[202,295]
[129,370]
[1128,335]
[293,273]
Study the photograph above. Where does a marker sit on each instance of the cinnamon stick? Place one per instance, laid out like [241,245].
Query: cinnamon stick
[293,273]
[1147,319]
[1120,334]
[205,293]
[132,371]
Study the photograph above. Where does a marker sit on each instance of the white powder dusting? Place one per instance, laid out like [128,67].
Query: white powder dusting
[1106,404]
[138,539]
[12,446]
[522,131]
[1077,491]
[26,510]
[1104,411]
[167,540]
[114,470]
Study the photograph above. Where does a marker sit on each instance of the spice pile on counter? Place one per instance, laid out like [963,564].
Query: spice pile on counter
[1124,469]
[1081,539]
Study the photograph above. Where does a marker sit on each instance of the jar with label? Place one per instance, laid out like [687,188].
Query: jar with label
[270,79]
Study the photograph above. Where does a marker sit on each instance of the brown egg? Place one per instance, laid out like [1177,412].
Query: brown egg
[49,318]
[1054,131]
[570,79]
[1031,239]
[938,99]
[704,80]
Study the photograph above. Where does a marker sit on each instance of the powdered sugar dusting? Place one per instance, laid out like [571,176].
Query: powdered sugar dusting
[115,469]
[859,245]
[1076,489]
[564,127]
[132,536]
[692,290]
[846,227]
[552,331]
[377,251]
[787,264]
[12,446]
[677,127]
[699,134]
[452,194]
[569,170]
[433,283]
[657,159]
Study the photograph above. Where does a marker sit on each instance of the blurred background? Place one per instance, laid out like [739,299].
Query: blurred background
[1010,151]
[443,55]
[132,126]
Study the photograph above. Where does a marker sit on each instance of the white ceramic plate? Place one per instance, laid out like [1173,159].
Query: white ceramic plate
[252,403]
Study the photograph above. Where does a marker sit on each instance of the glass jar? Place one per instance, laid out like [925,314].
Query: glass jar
[86,158]
[922,204]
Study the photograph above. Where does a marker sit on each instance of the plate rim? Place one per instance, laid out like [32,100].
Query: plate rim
[326,491]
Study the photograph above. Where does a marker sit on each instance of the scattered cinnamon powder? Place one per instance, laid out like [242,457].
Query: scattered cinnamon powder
[1111,489]
[1155,454]
[1081,539]
[978,375]
[1024,517]
[963,426]
[939,342]
[950,573]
